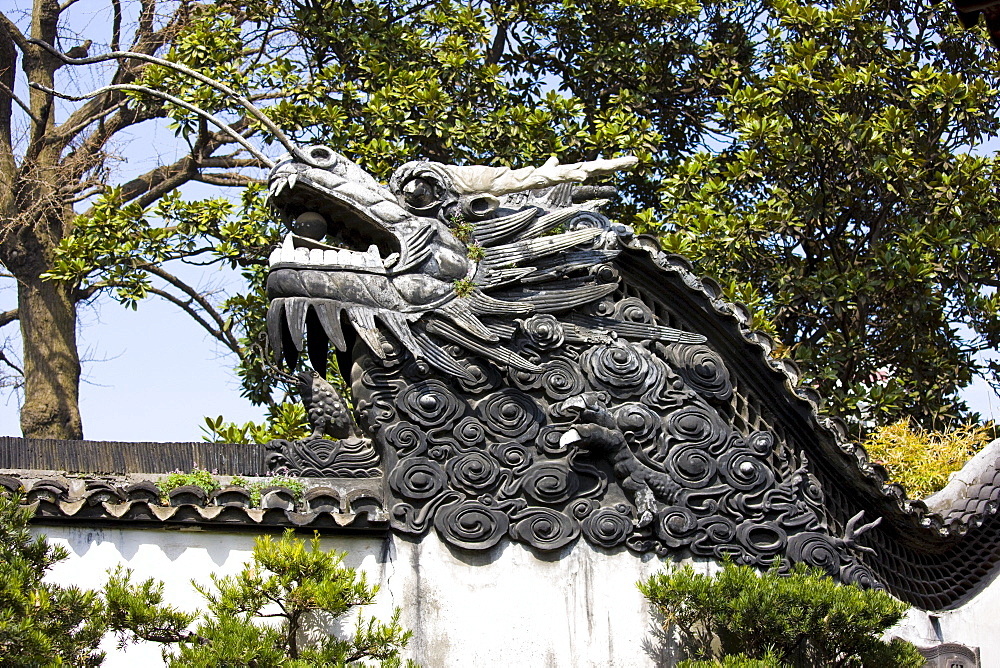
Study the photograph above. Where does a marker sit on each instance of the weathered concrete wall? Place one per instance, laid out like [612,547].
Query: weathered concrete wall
[503,607]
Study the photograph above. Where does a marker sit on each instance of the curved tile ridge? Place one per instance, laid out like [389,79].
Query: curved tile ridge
[338,505]
[935,524]
[973,492]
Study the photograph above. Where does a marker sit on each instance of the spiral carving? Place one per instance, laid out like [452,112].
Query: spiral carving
[511,414]
[515,456]
[473,472]
[417,478]
[548,440]
[550,482]
[406,438]
[471,525]
[631,309]
[479,459]
[544,331]
[716,537]
[675,526]
[702,369]
[607,527]
[485,376]
[469,432]
[429,403]
[639,424]
[815,549]
[696,426]
[544,528]
[691,466]
[859,574]
[561,380]
[745,472]
[620,369]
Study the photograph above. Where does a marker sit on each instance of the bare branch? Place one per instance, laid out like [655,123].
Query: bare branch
[227,179]
[183,69]
[224,334]
[21,103]
[169,98]
[64,133]
[116,25]
[6,360]
[22,42]
[66,5]
[8,317]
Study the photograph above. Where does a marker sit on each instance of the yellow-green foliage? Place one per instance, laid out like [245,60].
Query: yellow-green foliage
[922,460]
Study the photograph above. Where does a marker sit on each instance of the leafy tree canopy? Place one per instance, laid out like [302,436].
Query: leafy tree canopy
[844,204]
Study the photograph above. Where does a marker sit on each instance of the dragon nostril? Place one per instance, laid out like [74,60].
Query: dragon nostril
[320,153]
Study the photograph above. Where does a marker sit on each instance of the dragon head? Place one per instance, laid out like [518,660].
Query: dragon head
[430,259]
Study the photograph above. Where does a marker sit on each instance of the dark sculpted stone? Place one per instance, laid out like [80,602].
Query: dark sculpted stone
[513,385]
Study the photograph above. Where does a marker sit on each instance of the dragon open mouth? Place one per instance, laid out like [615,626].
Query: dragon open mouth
[315,211]
[422,267]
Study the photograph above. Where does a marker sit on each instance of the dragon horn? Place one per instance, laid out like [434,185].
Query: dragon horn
[504,180]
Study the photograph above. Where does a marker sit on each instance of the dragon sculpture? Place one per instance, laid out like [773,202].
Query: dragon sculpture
[523,368]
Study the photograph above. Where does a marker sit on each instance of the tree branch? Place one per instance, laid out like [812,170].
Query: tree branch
[21,103]
[223,334]
[15,34]
[8,317]
[6,360]
[227,179]
[116,25]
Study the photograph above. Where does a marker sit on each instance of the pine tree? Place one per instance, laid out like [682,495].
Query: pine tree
[41,623]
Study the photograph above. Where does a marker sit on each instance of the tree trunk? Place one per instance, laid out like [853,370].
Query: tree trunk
[47,313]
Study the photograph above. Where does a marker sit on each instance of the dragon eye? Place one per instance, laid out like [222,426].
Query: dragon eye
[420,194]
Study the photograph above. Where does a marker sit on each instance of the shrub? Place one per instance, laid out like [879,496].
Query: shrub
[740,617]
[297,487]
[288,582]
[197,477]
[41,624]
[922,460]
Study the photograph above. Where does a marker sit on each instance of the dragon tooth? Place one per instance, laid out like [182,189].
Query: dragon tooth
[278,186]
[275,257]
[292,179]
[346,258]
[302,255]
[374,252]
[275,323]
[364,324]
[329,317]
[329,257]
[295,312]
[315,256]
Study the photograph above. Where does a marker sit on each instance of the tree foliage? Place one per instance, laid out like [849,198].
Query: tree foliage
[41,623]
[921,460]
[275,612]
[740,617]
[844,203]
[383,82]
